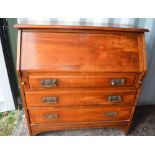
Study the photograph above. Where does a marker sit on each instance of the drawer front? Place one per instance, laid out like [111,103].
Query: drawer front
[76,81]
[75,98]
[82,52]
[84,114]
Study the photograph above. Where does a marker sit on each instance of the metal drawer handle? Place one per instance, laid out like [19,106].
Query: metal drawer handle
[51,116]
[114,98]
[50,100]
[49,83]
[117,82]
[111,114]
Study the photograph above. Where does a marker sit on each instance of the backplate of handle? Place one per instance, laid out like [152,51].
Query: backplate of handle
[53,116]
[114,98]
[117,82]
[112,114]
[48,83]
[50,99]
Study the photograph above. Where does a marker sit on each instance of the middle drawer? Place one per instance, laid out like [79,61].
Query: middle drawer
[77,98]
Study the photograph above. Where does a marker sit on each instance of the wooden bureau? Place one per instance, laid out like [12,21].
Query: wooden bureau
[75,77]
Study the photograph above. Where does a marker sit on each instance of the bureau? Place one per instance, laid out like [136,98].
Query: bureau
[74,77]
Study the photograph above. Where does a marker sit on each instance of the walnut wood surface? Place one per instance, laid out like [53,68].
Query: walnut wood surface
[80,52]
[55,26]
[77,81]
[80,114]
[36,129]
[77,98]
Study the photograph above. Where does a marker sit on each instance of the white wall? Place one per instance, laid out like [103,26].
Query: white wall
[6,99]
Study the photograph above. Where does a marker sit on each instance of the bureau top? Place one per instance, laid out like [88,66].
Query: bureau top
[81,26]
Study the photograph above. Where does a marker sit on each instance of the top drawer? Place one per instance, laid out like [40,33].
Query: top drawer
[81,52]
[38,80]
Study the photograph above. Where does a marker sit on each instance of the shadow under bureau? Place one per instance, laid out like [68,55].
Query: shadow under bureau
[74,77]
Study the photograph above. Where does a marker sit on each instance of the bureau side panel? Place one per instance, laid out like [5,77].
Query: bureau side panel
[20,78]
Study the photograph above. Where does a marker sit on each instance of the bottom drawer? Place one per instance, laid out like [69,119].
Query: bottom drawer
[80,114]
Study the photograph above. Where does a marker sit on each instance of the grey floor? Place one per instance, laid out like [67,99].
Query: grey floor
[143,125]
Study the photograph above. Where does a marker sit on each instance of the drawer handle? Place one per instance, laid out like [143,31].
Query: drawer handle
[50,100]
[111,114]
[114,98]
[117,82]
[51,116]
[49,83]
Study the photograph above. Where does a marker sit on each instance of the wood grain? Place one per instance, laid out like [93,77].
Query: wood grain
[55,26]
[80,114]
[36,129]
[77,81]
[77,98]
[80,52]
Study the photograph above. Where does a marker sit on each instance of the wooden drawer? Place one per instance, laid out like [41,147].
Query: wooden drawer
[76,98]
[77,81]
[81,114]
[84,52]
